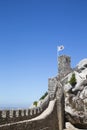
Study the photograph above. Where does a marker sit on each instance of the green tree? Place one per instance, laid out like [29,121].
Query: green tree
[73,80]
[46,93]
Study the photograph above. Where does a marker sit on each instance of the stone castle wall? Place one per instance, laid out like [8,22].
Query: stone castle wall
[52,86]
[9,116]
[22,119]
[50,122]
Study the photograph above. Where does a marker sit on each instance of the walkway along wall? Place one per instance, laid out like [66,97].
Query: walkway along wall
[10,116]
[49,122]
[52,118]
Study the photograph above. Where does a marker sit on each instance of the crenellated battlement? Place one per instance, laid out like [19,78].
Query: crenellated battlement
[48,116]
[9,116]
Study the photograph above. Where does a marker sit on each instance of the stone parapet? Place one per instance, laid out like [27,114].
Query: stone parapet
[9,116]
[47,123]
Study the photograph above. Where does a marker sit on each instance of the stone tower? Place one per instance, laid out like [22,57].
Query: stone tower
[64,65]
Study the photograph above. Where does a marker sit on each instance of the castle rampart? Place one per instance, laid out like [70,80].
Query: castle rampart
[44,117]
[9,116]
[48,119]
[42,122]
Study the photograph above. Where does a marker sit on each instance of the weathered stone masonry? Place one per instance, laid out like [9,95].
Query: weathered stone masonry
[10,116]
[49,123]
[53,121]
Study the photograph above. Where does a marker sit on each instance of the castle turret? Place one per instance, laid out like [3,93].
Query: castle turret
[64,65]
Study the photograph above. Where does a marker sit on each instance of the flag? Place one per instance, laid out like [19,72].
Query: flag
[60,48]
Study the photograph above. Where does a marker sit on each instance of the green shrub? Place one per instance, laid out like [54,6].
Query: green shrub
[44,96]
[73,80]
[35,103]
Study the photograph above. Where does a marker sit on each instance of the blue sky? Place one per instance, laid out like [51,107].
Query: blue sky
[30,31]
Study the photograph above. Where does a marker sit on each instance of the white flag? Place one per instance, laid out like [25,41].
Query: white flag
[60,48]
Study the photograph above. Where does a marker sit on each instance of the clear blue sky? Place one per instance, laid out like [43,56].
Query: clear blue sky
[30,31]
